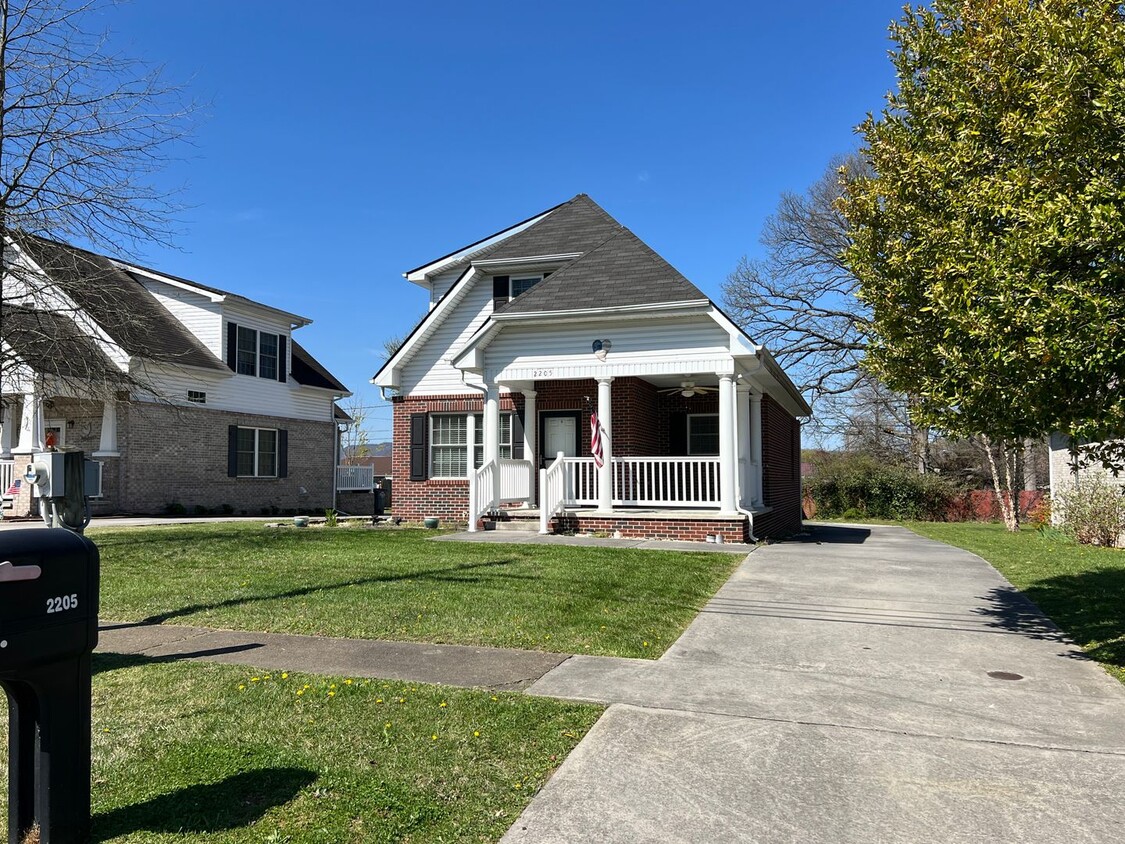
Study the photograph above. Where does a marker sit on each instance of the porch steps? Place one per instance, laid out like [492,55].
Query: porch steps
[516,525]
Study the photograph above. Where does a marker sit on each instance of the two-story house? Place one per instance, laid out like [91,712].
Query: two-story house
[567,373]
[189,396]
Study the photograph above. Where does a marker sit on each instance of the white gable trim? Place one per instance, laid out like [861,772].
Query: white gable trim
[419,275]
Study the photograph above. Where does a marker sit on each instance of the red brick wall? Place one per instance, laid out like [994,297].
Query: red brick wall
[691,530]
[781,472]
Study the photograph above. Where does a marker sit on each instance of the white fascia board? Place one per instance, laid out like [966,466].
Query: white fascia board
[295,320]
[500,263]
[741,346]
[586,314]
[389,375]
[420,275]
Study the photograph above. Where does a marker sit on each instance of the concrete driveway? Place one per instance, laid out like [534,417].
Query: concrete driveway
[867,685]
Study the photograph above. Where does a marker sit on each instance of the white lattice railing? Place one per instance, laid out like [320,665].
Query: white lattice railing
[350,478]
[482,487]
[647,481]
[7,475]
[552,491]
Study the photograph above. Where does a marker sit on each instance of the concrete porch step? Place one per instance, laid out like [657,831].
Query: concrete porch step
[519,525]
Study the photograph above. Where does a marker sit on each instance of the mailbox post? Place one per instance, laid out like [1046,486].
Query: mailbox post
[48,630]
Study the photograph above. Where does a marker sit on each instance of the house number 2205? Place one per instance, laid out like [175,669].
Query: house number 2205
[63,602]
[542,373]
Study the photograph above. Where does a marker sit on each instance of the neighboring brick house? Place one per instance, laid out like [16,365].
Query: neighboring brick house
[533,330]
[189,396]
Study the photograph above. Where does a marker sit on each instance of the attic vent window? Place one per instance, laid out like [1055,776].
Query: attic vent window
[521,284]
[197,396]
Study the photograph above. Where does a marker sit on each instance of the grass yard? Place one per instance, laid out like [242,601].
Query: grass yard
[1082,588]
[394,584]
[213,753]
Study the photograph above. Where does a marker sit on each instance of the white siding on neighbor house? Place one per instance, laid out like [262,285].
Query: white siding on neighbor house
[244,393]
[198,313]
[430,372]
[686,341]
[440,284]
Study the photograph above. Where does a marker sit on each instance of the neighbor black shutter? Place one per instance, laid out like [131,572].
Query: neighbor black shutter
[232,346]
[517,436]
[282,369]
[282,454]
[232,451]
[500,291]
[418,423]
[677,434]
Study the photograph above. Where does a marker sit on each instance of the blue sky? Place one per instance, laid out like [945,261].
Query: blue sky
[345,142]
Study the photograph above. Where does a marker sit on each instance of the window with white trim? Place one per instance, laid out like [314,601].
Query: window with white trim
[257,453]
[197,396]
[703,433]
[257,353]
[521,284]
[449,443]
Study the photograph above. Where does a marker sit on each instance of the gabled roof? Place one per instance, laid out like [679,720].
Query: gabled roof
[307,370]
[574,227]
[622,271]
[48,341]
[119,304]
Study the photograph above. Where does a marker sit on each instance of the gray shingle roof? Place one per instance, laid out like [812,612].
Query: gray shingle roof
[118,302]
[619,272]
[50,342]
[309,371]
[575,226]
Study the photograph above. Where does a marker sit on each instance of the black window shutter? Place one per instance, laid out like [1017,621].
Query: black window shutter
[500,291]
[282,367]
[418,423]
[232,346]
[677,434]
[283,454]
[232,451]
[517,436]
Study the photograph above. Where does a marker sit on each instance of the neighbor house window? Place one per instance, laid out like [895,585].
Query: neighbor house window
[257,453]
[257,353]
[703,433]
[449,443]
[521,284]
[197,397]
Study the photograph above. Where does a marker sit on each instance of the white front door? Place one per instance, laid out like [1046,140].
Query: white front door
[560,433]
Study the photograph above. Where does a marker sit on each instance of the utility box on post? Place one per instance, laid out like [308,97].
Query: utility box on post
[48,630]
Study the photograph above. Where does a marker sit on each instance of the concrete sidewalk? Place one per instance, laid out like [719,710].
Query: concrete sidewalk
[416,662]
[867,686]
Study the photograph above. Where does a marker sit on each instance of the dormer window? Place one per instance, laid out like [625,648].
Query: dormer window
[257,353]
[521,284]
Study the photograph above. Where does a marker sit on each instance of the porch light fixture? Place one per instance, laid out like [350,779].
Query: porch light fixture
[601,348]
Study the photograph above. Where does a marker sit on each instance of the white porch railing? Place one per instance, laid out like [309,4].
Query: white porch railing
[351,478]
[516,479]
[7,475]
[646,481]
[552,492]
[516,484]
[481,493]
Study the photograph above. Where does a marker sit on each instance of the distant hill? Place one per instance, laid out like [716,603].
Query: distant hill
[373,450]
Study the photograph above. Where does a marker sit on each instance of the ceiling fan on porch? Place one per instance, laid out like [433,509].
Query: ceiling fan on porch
[687,389]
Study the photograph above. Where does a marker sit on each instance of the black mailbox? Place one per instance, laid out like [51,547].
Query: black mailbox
[48,629]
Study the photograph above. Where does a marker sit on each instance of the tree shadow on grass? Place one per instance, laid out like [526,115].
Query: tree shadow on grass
[1088,607]
[108,661]
[234,802]
[449,574]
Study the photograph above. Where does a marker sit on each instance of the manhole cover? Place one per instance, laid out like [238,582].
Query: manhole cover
[1004,675]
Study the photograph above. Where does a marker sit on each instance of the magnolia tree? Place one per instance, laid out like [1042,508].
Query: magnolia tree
[989,241]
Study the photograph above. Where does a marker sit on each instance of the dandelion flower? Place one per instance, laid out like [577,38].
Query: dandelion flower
[378,700]
[255,679]
[476,733]
[387,726]
[434,737]
[284,675]
[300,692]
[332,694]
[241,686]
[348,682]
[443,704]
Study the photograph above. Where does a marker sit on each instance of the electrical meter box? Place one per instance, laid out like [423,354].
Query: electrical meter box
[47,470]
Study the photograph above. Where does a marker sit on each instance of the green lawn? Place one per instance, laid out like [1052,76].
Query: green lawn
[394,584]
[1082,588]
[212,753]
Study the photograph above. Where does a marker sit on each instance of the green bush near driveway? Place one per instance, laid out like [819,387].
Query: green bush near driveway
[395,584]
[855,486]
[1081,587]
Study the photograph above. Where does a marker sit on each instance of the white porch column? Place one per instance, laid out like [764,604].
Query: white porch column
[107,446]
[7,432]
[742,445]
[31,426]
[756,447]
[727,464]
[530,431]
[492,437]
[605,419]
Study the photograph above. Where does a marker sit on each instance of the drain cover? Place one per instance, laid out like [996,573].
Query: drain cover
[1004,675]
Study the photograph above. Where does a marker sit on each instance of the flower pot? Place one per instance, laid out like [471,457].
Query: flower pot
[300,521]
[430,522]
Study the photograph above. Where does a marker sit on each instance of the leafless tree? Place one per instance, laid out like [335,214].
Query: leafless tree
[83,131]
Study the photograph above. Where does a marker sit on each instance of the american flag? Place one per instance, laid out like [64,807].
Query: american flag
[596,440]
[14,489]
